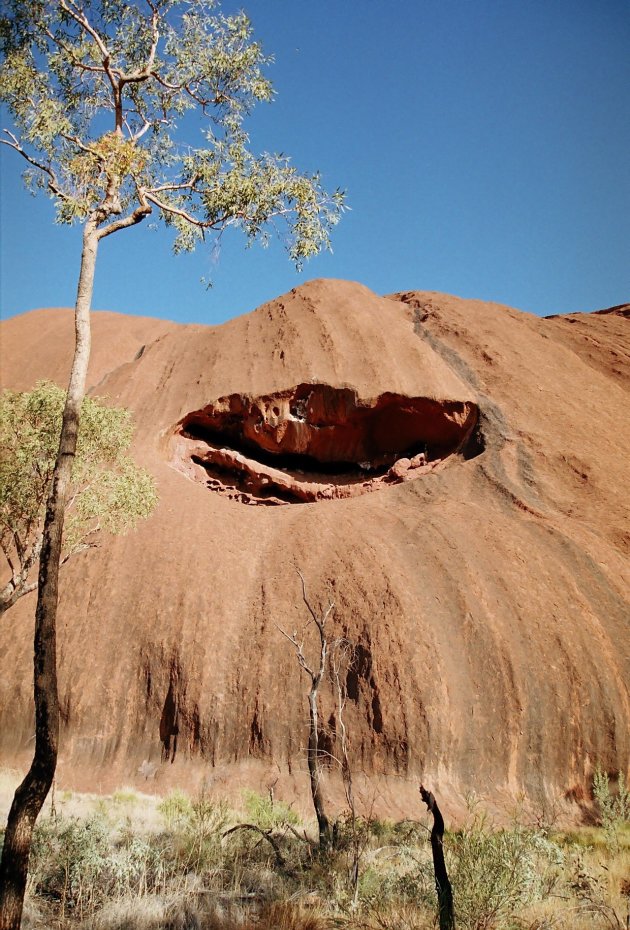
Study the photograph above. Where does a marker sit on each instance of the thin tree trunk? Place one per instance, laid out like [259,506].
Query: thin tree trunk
[346,771]
[31,794]
[314,770]
[314,767]
[446,912]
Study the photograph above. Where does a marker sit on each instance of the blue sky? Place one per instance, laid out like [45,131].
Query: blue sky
[484,146]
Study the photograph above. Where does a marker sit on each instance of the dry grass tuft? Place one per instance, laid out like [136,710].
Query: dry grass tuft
[286,915]
[146,913]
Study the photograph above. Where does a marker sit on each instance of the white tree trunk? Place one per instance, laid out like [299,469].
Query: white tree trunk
[31,794]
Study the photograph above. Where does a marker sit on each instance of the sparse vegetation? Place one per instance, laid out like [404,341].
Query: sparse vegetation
[136,862]
[267,813]
[614,807]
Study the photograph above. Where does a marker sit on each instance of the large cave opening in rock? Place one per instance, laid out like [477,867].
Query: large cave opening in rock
[315,442]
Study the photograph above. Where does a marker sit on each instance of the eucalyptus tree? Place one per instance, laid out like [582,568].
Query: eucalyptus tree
[96,90]
[108,491]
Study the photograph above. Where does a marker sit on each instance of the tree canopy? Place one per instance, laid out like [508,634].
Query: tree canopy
[108,490]
[99,91]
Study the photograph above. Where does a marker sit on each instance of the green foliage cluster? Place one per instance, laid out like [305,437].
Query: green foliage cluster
[81,863]
[176,808]
[97,91]
[495,873]
[71,857]
[109,491]
[196,824]
[267,813]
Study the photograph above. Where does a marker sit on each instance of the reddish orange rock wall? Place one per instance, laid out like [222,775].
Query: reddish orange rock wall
[486,601]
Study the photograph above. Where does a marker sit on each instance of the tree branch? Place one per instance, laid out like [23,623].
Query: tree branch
[17,586]
[112,73]
[193,220]
[189,185]
[164,83]
[267,835]
[81,19]
[53,184]
[139,134]
[76,62]
[143,74]
[7,556]
[320,622]
[9,596]
[131,220]
[83,146]
[19,548]
[82,547]
[299,649]
[446,914]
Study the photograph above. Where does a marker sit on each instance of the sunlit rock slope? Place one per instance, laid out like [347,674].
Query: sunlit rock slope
[452,473]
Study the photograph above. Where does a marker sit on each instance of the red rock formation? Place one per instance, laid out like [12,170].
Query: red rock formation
[484,589]
[315,442]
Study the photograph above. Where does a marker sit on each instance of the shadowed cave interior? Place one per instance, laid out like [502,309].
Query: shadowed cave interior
[314,442]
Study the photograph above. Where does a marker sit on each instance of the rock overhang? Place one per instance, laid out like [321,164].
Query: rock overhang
[325,392]
[315,442]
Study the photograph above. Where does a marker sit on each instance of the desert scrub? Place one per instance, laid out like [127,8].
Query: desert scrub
[405,879]
[267,813]
[69,860]
[175,808]
[78,864]
[497,873]
[494,874]
[193,831]
[180,863]
[125,796]
[614,808]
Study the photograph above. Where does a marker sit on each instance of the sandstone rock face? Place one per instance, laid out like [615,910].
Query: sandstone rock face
[315,442]
[452,473]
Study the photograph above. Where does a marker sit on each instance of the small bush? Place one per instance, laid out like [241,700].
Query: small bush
[494,873]
[194,826]
[176,808]
[267,813]
[70,861]
[125,796]
[614,808]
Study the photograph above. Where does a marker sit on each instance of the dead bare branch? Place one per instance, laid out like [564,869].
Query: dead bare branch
[265,834]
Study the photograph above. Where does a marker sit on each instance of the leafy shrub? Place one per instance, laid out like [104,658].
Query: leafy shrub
[78,864]
[267,813]
[125,796]
[614,808]
[176,808]
[494,873]
[195,826]
[69,861]
[200,835]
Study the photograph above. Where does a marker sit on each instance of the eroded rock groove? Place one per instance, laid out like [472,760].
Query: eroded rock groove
[314,442]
